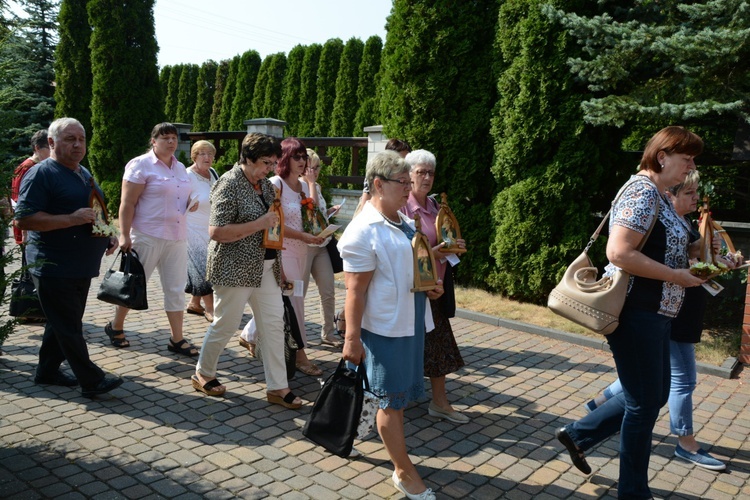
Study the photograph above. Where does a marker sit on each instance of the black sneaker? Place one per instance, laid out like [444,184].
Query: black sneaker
[60,378]
[108,383]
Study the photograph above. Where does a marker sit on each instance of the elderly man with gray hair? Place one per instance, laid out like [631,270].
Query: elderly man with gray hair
[53,206]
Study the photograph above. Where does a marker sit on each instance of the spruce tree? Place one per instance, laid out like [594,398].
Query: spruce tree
[308,90]
[650,64]
[328,69]
[173,92]
[73,63]
[221,80]
[125,102]
[247,74]
[676,62]
[230,90]
[188,94]
[204,104]
[28,59]
[367,88]
[345,103]
[292,91]
[438,89]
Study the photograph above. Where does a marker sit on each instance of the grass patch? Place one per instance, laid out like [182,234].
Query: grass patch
[716,344]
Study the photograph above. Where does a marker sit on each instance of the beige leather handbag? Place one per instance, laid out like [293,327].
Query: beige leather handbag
[590,302]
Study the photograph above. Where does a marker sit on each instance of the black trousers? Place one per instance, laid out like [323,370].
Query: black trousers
[63,302]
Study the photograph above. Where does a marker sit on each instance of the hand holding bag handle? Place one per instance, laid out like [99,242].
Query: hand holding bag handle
[336,412]
[591,303]
[126,287]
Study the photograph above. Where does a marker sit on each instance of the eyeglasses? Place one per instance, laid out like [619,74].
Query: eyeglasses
[425,173]
[269,163]
[299,157]
[207,155]
[406,184]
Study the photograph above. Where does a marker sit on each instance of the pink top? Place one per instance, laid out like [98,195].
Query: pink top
[427,216]
[161,209]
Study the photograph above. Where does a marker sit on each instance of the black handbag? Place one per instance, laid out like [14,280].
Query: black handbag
[24,301]
[333,252]
[335,415]
[126,287]
[292,339]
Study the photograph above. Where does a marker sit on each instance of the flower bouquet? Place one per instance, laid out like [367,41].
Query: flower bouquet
[313,221]
[102,229]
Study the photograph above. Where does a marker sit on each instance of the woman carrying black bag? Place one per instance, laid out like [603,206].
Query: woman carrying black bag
[386,321]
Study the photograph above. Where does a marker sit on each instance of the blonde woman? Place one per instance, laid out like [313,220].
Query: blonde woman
[202,178]
[318,261]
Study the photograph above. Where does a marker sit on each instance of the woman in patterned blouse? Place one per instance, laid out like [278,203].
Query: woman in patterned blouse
[659,274]
[243,272]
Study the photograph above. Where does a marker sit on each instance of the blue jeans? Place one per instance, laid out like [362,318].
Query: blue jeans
[682,385]
[640,346]
[684,379]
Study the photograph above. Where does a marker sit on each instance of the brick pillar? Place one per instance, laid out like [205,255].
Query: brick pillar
[745,345]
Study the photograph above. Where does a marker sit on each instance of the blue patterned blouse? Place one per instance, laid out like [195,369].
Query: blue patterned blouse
[667,244]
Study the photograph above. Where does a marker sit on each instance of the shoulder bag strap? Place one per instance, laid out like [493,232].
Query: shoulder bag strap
[606,218]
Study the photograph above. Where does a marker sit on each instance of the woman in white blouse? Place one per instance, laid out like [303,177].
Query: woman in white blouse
[202,179]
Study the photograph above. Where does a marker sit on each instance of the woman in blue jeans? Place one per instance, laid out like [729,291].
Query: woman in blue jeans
[686,332]
[640,344]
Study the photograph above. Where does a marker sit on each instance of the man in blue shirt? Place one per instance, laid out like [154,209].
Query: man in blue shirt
[53,206]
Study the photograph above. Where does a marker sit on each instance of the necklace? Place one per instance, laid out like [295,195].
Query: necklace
[389,219]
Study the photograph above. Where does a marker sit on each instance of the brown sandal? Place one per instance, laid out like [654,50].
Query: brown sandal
[249,346]
[309,369]
[287,401]
[209,388]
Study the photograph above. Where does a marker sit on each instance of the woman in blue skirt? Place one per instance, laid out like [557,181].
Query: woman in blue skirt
[385,320]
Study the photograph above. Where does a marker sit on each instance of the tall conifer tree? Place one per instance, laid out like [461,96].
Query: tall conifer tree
[308,90]
[345,103]
[188,94]
[292,91]
[545,158]
[368,113]
[438,92]
[328,70]
[206,83]
[247,74]
[274,86]
[164,74]
[230,89]
[125,95]
[73,63]
[172,98]
[221,81]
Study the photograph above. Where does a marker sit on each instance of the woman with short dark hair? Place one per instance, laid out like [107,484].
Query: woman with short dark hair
[243,272]
[153,221]
[291,166]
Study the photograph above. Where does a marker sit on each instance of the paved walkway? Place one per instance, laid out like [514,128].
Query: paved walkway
[155,437]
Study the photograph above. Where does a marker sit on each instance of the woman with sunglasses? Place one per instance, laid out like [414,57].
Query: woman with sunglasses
[289,169]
